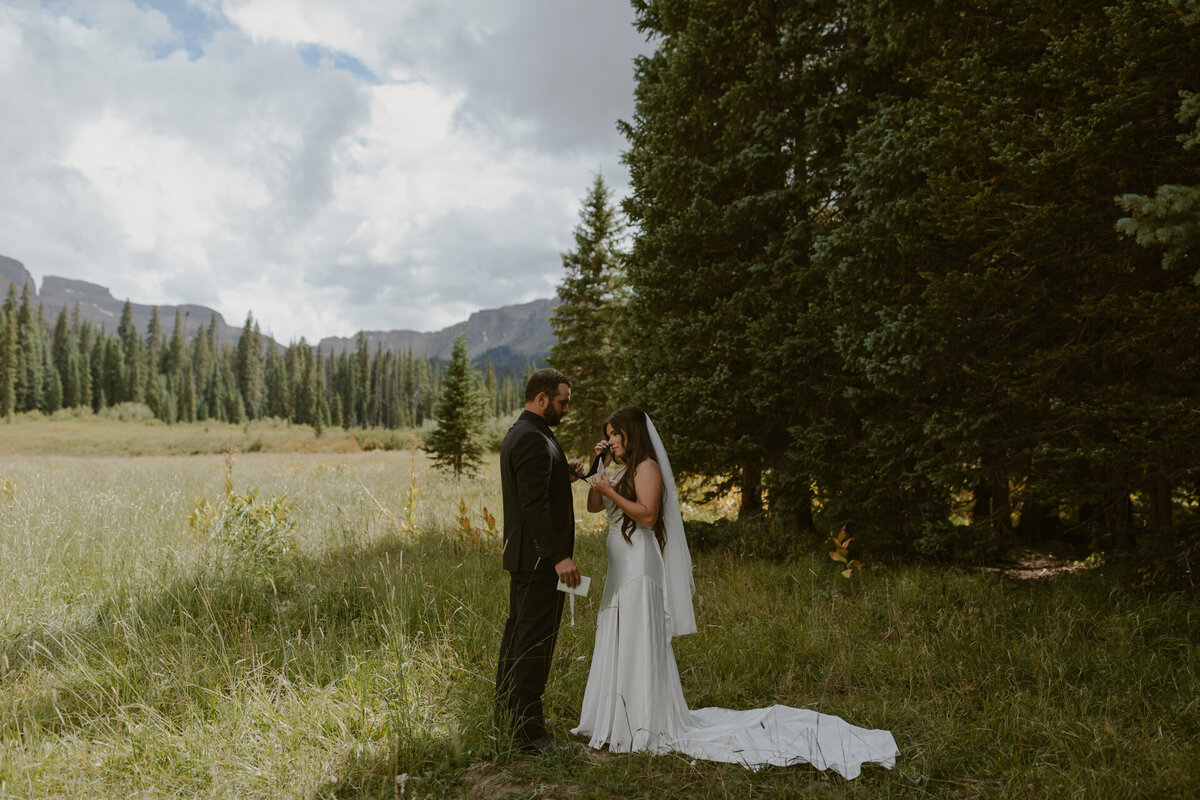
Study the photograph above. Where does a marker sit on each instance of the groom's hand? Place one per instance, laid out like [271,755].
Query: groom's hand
[577,469]
[568,573]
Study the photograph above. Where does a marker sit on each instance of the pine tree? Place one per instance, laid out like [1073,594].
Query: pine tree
[154,346]
[112,371]
[83,332]
[362,379]
[187,397]
[67,361]
[202,370]
[30,373]
[278,395]
[741,114]
[133,353]
[425,392]
[176,353]
[8,354]
[321,414]
[52,390]
[492,391]
[250,367]
[409,388]
[994,331]
[232,405]
[1171,219]
[586,318]
[455,443]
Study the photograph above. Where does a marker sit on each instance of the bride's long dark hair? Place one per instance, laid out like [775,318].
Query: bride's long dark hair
[630,421]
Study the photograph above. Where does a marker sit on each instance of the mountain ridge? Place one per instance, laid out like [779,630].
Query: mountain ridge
[510,336]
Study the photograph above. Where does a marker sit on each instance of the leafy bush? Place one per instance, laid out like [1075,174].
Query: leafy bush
[254,532]
[128,412]
[375,439]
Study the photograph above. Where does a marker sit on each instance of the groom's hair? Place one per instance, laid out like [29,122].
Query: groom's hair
[544,380]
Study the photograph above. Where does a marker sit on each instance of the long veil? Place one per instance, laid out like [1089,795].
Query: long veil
[678,585]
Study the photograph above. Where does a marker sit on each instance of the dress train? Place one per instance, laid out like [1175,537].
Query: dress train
[634,700]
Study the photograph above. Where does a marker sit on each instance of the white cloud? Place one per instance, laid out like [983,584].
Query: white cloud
[327,166]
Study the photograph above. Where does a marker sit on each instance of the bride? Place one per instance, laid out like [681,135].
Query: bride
[634,700]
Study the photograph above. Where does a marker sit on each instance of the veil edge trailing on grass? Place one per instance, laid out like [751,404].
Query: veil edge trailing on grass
[678,585]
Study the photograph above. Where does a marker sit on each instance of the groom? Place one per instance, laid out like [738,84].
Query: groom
[539,540]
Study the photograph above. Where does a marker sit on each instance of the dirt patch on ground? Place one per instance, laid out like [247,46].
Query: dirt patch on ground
[1034,565]
[491,782]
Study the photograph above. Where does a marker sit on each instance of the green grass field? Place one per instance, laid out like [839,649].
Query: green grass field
[142,656]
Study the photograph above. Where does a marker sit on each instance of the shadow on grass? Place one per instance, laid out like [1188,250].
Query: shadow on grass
[581,773]
[182,649]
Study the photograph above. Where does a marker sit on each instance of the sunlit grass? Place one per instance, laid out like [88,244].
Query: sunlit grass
[138,659]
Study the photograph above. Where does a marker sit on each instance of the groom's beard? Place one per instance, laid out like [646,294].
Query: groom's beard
[552,416]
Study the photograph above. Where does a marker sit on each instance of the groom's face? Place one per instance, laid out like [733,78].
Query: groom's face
[558,405]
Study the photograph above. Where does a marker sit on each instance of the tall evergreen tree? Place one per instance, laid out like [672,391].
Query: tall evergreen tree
[67,361]
[278,396]
[152,389]
[8,354]
[1171,218]
[31,377]
[176,353]
[586,318]
[134,355]
[84,334]
[112,381]
[362,379]
[250,367]
[455,443]
[491,391]
[741,116]
[52,390]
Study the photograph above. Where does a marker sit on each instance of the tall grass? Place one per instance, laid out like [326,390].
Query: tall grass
[137,659]
[130,429]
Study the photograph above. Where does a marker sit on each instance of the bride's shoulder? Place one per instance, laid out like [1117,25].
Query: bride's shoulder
[648,469]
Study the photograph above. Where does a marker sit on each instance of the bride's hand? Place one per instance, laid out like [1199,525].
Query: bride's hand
[601,484]
[602,447]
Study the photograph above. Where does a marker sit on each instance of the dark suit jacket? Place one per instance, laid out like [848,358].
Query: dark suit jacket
[539,518]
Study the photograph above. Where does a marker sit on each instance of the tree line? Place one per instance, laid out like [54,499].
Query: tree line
[75,364]
[925,270]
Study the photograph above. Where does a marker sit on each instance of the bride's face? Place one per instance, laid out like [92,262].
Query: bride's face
[616,440]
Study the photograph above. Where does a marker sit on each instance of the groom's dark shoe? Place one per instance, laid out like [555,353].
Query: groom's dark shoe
[541,746]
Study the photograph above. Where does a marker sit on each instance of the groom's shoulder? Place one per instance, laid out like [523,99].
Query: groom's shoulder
[525,434]
[520,428]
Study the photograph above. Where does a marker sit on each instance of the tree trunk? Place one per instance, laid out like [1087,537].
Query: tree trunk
[993,505]
[1001,517]
[1118,512]
[981,507]
[1161,511]
[751,489]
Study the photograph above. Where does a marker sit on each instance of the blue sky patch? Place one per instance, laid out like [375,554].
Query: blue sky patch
[193,26]
[324,58]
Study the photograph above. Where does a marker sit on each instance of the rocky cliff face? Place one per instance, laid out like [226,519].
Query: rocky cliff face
[98,306]
[13,271]
[521,332]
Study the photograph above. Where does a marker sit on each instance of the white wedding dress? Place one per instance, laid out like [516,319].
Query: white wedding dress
[634,700]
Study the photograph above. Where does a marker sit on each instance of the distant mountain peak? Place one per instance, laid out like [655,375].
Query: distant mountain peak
[510,336]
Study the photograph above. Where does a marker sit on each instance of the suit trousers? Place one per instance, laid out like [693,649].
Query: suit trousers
[534,612]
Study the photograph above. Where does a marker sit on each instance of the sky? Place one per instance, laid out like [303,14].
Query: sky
[327,166]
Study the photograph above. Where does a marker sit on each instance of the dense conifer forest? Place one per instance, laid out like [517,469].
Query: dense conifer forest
[71,363]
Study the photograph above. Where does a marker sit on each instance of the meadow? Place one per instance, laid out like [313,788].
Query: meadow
[338,639]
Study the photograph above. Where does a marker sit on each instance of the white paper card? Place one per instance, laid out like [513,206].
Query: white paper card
[582,589]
